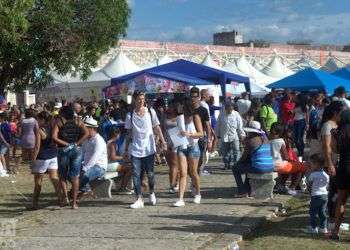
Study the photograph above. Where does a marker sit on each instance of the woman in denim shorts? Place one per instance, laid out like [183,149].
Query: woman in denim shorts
[69,133]
[188,155]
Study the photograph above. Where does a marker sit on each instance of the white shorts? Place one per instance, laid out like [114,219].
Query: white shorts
[41,166]
[113,166]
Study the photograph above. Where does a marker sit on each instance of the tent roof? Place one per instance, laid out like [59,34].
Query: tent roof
[244,66]
[180,77]
[120,65]
[190,69]
[164,59]
[208,61]
[331,65]
[257,65]
[310,79]
[97,76]
[232,67]
[343,73]
[276,68]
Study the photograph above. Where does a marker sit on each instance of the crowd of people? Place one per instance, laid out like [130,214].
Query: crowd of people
[79,142]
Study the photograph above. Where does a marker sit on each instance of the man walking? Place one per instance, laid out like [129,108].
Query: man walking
[141,124]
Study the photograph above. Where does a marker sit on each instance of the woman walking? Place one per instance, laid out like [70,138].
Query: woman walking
[341,145]
[69,133]
[28,129]
[45,157]
[301,122]
[188,155]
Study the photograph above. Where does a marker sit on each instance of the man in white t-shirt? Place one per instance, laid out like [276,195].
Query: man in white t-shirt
[141,124]
[243,104]
[94,155]
[340,94]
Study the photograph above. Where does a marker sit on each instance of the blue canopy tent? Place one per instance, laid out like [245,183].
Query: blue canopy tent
[192,74]
[311,79]
[343,73]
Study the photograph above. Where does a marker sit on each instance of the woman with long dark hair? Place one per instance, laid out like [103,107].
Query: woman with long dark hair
[300,123]
[341,145]
[330,119]
[188,155]
[45,157]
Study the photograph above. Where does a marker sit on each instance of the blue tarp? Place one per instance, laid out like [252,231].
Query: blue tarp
[343,73]
[190,73]
[311,79]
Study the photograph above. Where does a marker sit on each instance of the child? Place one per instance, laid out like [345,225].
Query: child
[115,150]
[284,160]
[318,181]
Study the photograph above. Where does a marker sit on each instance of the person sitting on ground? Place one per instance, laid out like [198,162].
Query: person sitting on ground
[285,162]
[318,182]
[116,150]
[256,157]
[95,160]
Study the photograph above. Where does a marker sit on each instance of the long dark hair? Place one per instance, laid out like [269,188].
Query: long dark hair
[301,101]
[331,110]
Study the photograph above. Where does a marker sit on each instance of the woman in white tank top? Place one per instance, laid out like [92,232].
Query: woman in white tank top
[188,155]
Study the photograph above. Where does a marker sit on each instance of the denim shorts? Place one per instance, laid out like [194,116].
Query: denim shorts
[69,162]
[3,149]
[191,151]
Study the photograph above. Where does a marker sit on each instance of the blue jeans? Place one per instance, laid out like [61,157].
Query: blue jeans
[237,171]
[318,206]
[69,162]
[91,174]
[140,166]
[231,153]
[299,130]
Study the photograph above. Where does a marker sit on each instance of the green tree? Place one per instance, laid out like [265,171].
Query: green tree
[38,36]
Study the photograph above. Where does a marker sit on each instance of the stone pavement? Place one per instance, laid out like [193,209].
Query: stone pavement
[110,224]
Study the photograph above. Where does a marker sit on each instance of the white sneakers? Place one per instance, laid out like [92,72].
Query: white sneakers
[137,204]
[152,199]
[197,199]
[140,204]
[179,203]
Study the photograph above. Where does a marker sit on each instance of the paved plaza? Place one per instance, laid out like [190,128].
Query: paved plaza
[110,224]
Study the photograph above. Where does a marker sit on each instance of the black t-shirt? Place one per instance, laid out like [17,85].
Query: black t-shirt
[203,114]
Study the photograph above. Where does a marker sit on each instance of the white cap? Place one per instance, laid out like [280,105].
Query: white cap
[253,127]
[91,122]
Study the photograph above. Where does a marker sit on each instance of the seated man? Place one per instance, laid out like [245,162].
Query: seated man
[256,157]
[94,156]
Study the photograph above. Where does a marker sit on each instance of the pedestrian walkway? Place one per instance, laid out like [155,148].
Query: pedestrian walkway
[110,224]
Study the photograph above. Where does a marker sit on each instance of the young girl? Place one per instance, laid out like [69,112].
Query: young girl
[115,150]
[318,181]
[284,161]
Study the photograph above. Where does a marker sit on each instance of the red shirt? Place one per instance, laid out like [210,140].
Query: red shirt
[287,108]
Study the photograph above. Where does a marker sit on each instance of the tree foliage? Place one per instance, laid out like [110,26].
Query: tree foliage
[38,36]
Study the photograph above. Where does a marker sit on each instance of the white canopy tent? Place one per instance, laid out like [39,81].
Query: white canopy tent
[164,59]
[276,68]
[208,61]
[332,65]
[258,65]
[120,65]
[244,66]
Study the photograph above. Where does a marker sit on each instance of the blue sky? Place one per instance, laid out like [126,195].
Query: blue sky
[322,21]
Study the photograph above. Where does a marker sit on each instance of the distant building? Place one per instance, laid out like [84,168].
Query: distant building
[230,38]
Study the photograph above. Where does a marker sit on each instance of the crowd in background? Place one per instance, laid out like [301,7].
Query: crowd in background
[303,137]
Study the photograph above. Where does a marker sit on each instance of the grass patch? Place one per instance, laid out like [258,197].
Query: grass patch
[286,231]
